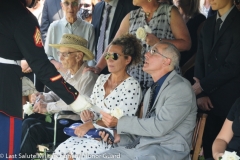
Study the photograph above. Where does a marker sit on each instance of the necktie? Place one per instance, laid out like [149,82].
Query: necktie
[217,28]
[100,45]
[150,103]
[148,115]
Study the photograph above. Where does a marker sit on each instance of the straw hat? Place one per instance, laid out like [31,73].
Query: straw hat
[76,42]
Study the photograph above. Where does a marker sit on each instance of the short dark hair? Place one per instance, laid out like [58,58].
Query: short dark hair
[131,46]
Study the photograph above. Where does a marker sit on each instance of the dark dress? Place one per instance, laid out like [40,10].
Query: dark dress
[234,116]
[192,25]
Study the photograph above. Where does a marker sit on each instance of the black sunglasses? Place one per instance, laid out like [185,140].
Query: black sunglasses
[114,56]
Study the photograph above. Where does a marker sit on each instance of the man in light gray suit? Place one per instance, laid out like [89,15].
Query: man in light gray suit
[164,131]
[52,11]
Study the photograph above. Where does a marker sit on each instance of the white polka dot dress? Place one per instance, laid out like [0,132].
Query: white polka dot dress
[127,96]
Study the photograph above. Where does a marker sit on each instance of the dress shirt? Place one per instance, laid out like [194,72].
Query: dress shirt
[223,17]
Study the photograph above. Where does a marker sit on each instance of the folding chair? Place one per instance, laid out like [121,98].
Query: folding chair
[197,135]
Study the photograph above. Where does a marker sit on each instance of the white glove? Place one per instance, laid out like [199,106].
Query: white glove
[80,104]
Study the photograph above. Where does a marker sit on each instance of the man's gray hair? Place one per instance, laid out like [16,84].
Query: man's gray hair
[172,52]
[79,1]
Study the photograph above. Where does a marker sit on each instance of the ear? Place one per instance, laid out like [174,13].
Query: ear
[168,61]
[61,4]
[128,60]
[79,56]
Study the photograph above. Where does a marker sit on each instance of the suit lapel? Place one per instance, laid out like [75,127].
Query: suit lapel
[228,21]
[211,29]
[116,16]
[100,11]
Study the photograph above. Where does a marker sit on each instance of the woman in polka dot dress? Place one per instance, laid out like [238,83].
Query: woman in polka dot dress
[116,89]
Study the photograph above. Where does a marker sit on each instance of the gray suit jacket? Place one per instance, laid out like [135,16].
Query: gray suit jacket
[173,118]
[52,11]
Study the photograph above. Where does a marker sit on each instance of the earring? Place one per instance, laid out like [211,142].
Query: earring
[149,0]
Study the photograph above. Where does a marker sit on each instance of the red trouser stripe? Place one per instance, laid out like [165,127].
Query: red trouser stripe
[11,137]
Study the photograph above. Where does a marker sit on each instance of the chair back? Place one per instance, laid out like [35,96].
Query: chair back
[197,135]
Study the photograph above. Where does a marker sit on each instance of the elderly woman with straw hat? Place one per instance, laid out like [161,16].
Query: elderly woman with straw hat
[73,54]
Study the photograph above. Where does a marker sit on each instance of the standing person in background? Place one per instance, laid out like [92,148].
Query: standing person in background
[20,38]
[68,24]
[217,68]
[237,3]
[87,7]
[204,7]
[52,11]
[37,11]
[119,9]
[152,13]
[194,20]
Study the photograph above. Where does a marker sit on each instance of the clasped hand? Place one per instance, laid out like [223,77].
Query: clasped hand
[40,107]
[86,116]
[93,69]
[105,137]
[196,86]
[151,39]
[37,97]
[109,120]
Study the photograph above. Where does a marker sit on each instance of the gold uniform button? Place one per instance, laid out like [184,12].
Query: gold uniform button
[64,81]
[76,93]
[69,87]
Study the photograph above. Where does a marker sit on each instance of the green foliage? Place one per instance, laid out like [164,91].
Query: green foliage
[201,158]
[48,118]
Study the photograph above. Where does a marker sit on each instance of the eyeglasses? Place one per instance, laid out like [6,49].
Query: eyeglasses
[65,54]
[73,4]
[153,51]
[86,5]
[114,56]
